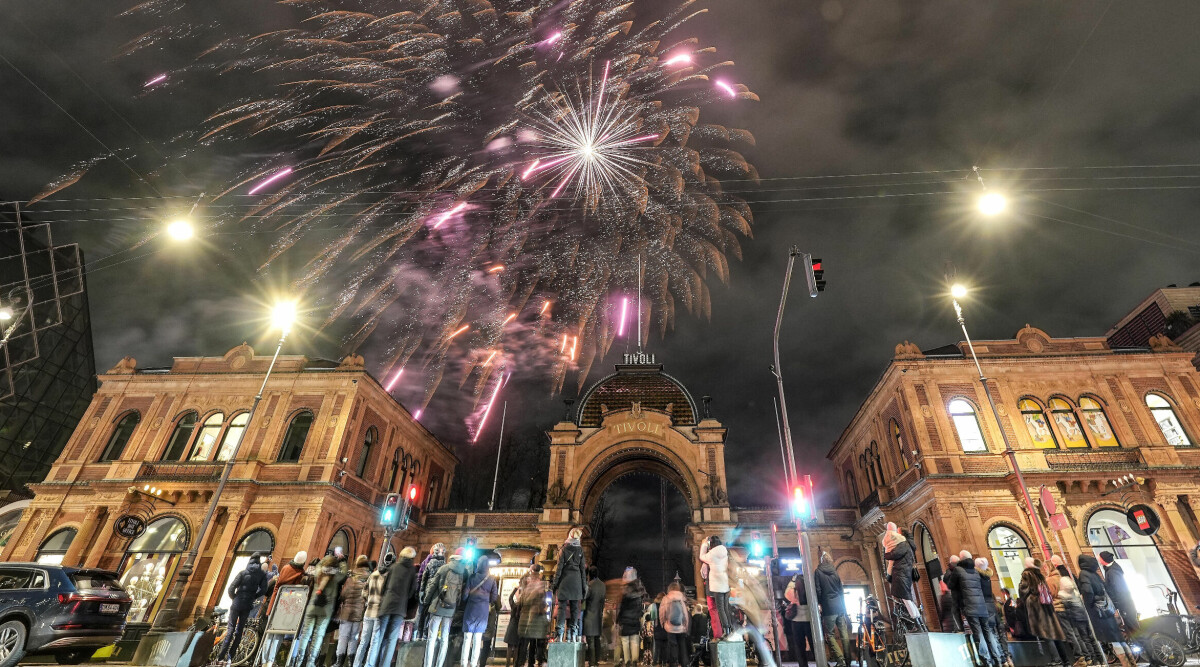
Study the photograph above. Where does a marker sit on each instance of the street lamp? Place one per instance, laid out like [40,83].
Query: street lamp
[283,315]
[180,230]
[959,291]
[992,203]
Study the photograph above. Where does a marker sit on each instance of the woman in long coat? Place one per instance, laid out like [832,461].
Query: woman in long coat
[1038,602]
[1095,601]
[534,622]
[481,591]
[593,616]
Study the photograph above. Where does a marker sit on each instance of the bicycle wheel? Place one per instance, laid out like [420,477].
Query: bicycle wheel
[248,647]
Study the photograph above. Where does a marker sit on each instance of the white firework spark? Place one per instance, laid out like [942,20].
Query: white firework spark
[593,144]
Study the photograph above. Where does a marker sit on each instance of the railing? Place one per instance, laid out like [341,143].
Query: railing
[180,472]
[1093,460]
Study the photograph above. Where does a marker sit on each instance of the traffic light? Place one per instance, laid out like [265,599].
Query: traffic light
[814,275]
[389,516]
[469,550]
[756,545]
[406,508]
[802,501]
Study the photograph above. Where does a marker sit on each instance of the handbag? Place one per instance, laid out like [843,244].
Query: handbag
[1044,595]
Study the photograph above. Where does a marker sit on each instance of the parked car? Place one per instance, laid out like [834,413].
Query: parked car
[66,612]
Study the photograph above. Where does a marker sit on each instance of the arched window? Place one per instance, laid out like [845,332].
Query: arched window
[878,462]
[181,436]
[149,564]
[233,435]
[898,440]
[851,488]
[967,425]
[120,436]
[258,541]
[297,434]
[1068,425]
[1009,551]
[368,444]
[1036,424]
[1168,423]
[341,539]
[391,485]
[1109,530]
[1097,422]
[55,547]
[206,442]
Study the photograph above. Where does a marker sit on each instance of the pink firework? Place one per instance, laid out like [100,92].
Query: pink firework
[271,179]
[727,88]
[488,410]
[624,311]
[395,378]
[441,219]
[678,60]
[155,81]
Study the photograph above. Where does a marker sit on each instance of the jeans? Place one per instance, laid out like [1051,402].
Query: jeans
[313,632]
[233,634]
[979,630]
[678,649]
[570,609]
[470,648]
[720,603]
[1076,623]
[438,641]
[800,640]
[348,638]
[837,636]
[1000,648]
[387,634]
[592,652]
[631,648]
[366,641]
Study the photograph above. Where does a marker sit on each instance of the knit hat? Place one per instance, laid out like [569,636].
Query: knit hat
[1107,557]
[981,563]
[458,554]
[301,557]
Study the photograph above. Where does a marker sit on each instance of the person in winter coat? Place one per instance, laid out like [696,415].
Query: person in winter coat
[399,588]
[715,557]
[999,651]
[967,589]
[570,580]
[246,587]
[429,567]
[1012,619]
[443,596]
[593,616]
[629,616]
[350,611]
[1118,590]
[900,557]
[799,618]
[946,607]
[372,597]
[1096,601]
[535,623]
[1038,602]
[650,620]
[327,581]
[1068,608]
[674,618]
[481,593]
[952,613]
[832,605]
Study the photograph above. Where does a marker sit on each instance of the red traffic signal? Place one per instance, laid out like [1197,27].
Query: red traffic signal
[814,275]
[802,501]
[412,493]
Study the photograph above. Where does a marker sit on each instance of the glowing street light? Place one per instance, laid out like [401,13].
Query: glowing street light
[992,203]
[283,315]
[958,290]
[6,313]
[180,230]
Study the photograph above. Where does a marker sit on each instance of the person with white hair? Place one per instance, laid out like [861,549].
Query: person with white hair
[1000,648]
[950,617]
[967,589]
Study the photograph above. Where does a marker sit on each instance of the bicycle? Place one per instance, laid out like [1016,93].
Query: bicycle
[874,649]
[245,650]
[1169,638]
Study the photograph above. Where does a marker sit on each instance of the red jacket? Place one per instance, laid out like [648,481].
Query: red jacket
[289,574]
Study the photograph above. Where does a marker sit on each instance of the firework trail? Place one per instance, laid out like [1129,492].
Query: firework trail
[477,162]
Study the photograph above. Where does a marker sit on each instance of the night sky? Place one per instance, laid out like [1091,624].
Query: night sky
[1088,112]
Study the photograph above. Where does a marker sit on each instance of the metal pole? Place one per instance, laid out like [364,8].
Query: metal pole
[499,446]
[776,625]
[387,538]
[787,478]
[801,534]
[1008,450]
[165,621]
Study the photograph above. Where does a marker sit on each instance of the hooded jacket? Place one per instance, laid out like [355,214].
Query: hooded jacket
[429,567]
[901,559]
[250,584]
[629,616]
[967,587]
[398,588]
[829,590]
[570,577]
[673,603]
[325,588]
[479,594]
[717,560]
[438,606]
[1095,598]
[353,603]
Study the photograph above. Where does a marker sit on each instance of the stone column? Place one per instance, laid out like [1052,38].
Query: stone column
[221,550]
[100,545]
[90,520]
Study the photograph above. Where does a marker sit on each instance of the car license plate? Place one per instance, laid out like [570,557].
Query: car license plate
[112,608]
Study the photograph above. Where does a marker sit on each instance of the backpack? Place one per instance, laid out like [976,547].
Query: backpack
[452,588]
[676,616]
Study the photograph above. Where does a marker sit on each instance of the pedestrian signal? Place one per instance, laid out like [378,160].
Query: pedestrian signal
[802,502]
[389,516]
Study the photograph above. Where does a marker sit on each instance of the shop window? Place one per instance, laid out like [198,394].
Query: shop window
[149,564]
[1097,422]
[203,447]
[898,440]
[1009,551]
[181,436]
[1168,423]
[233,436]
[1068,424]
[294,439]
[1037,425]
[368,444]
[967,425]
[120,436]
[1145,571]
[55,547]
[258,541]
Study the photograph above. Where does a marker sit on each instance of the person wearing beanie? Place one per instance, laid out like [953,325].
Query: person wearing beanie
[398,588]
[570,580]
[443,595]
[246,587]
[1118,590]
[481,594]
[629,617]
[429,567]
[350,612]
[372,595]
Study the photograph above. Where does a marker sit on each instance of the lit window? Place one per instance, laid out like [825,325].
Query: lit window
[1097,422]
[368,444]
[1068,425]
[967,425]
[293,440]
[120,437]
[1036,424]
[207,440]
[180,437]
[1168,423]
[55,547]
[233,435]
[898,438]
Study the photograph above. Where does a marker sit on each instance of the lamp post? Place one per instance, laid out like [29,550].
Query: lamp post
[958,291]
[282,317]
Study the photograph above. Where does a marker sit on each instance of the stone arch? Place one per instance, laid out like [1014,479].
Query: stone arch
[626,457]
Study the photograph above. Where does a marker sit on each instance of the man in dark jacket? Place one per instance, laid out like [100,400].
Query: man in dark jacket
[1118,590]
[593,615]
[443,595]
[833,609]
[398,589]
[246,587]
[429,567]
[967,589]
[568,586]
